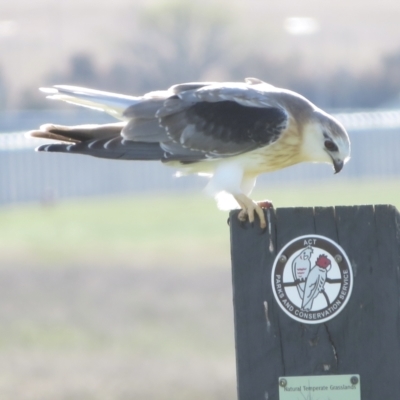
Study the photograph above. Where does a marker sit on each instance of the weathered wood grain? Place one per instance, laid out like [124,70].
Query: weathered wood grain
[363,339]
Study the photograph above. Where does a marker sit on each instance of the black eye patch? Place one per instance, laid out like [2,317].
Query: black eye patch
[329,145]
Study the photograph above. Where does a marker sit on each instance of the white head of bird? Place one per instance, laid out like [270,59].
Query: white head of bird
[326,141]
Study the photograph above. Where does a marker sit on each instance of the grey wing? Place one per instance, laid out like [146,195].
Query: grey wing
[187,123]
[208,121]
[112,103]
[225,128]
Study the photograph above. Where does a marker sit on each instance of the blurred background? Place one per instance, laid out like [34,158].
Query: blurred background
[115,276]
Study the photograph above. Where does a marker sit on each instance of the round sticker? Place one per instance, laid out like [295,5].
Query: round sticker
[312,279]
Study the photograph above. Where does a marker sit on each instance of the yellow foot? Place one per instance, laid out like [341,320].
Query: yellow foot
[250,208]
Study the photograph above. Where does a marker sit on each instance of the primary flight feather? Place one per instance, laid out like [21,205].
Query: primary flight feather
[230,131]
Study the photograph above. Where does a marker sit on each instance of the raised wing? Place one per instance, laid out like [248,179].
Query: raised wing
[112,103]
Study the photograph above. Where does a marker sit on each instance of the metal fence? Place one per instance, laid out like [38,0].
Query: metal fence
[28,176]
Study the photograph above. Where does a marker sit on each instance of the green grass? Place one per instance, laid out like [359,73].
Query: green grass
[179,230]
[141,230]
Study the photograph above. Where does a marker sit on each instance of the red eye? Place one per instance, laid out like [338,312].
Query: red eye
[329,145]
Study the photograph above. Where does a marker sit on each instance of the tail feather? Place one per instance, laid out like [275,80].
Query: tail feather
[112,148]
[78,133]
[50,135]
[104,141]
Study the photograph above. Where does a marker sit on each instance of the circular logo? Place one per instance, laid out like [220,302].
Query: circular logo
[312,279]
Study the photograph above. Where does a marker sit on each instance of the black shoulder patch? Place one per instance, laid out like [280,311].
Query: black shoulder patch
[229,121]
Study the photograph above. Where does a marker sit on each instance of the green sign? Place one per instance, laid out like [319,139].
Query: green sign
[324,387]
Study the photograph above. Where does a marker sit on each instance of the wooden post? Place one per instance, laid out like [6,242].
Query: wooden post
[364,338]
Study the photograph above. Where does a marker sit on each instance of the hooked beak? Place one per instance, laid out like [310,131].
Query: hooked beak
[337,165]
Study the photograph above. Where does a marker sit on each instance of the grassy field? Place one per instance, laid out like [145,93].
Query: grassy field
[170,230]
[128,298]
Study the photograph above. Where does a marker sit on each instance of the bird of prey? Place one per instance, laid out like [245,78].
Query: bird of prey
[229,131]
